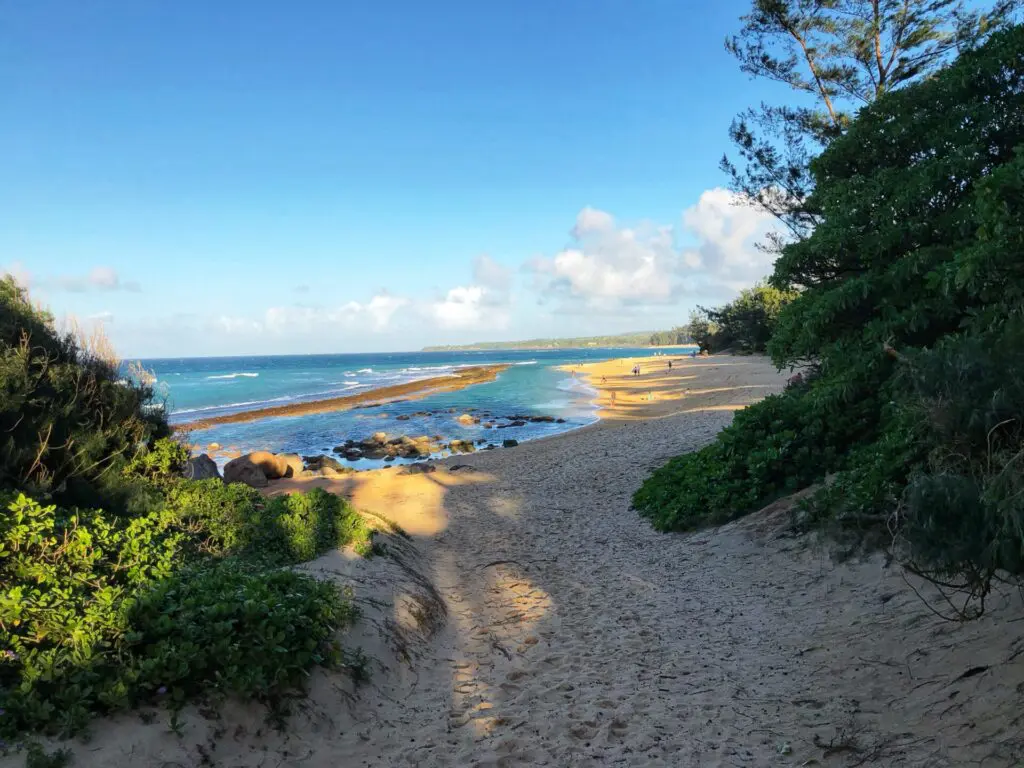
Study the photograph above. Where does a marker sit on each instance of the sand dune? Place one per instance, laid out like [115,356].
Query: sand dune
[533,619]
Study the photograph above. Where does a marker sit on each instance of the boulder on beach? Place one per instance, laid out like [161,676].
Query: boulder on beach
[242,470]
[324,465]
[420,468]
[509,443]
[276,465]
[461,446]
[467,420]
[201,467]
[213,447]
[379,446]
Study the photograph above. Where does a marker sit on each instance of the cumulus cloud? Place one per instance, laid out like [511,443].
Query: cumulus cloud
[470,307]
[727,230]
[483,304]
[375,315]
[609,265]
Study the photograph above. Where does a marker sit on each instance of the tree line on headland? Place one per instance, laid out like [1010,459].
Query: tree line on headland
[902,279]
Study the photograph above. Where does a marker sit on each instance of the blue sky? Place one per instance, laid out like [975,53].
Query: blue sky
[269,177]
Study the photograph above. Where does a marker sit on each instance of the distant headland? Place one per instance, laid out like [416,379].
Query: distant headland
[674,337]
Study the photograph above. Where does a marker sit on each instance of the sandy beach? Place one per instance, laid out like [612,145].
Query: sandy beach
[530,617]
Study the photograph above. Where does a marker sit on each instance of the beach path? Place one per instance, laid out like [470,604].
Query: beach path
[578,636]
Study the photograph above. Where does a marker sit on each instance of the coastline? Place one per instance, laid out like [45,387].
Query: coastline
[493,614]
[721,382]
[410,390]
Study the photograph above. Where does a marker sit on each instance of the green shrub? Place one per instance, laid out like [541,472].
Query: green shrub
[166,459]
[232,628]
[283,530]
[774,447]
[69,419]
[744,324]
[911,288]
[99,612]
[224,518]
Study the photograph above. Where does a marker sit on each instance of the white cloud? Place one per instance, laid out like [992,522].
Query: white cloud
[102,317]
[470,307]
[609,266]
[375,315]
[728,229]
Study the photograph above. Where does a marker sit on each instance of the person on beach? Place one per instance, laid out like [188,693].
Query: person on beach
[670,365]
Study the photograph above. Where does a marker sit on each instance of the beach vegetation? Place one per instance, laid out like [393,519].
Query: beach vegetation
[908,329]
[836,56]
[744,324]
[123,584]
[677,336]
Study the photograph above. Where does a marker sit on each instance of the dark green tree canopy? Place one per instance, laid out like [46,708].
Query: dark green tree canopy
[910,200]
[837,56]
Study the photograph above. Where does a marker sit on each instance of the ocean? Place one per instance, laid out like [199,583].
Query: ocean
[197,388]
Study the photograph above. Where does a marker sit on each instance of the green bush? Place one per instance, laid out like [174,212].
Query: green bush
[232,628]
[165,460]
[775,447]
[744,324]
[283,530]
[69,418]
[911,288]
[99,612]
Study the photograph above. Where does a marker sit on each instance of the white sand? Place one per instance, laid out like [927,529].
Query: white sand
[577,636]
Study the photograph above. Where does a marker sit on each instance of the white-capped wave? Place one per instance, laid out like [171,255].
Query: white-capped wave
[234,376]
[365,370]
[231,405]
[418,369]
[527,362]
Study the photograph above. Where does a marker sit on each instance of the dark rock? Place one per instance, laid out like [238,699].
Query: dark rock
[518,423]
[509,443]
[560,421]
[402,417]
[419,468]
[325,465]
[201,467]
[461,467]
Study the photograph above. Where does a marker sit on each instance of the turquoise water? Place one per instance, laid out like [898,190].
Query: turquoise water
[203,387]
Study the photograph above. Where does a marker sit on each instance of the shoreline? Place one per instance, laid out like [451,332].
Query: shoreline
[410,390]
[722,382]
[506,581]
